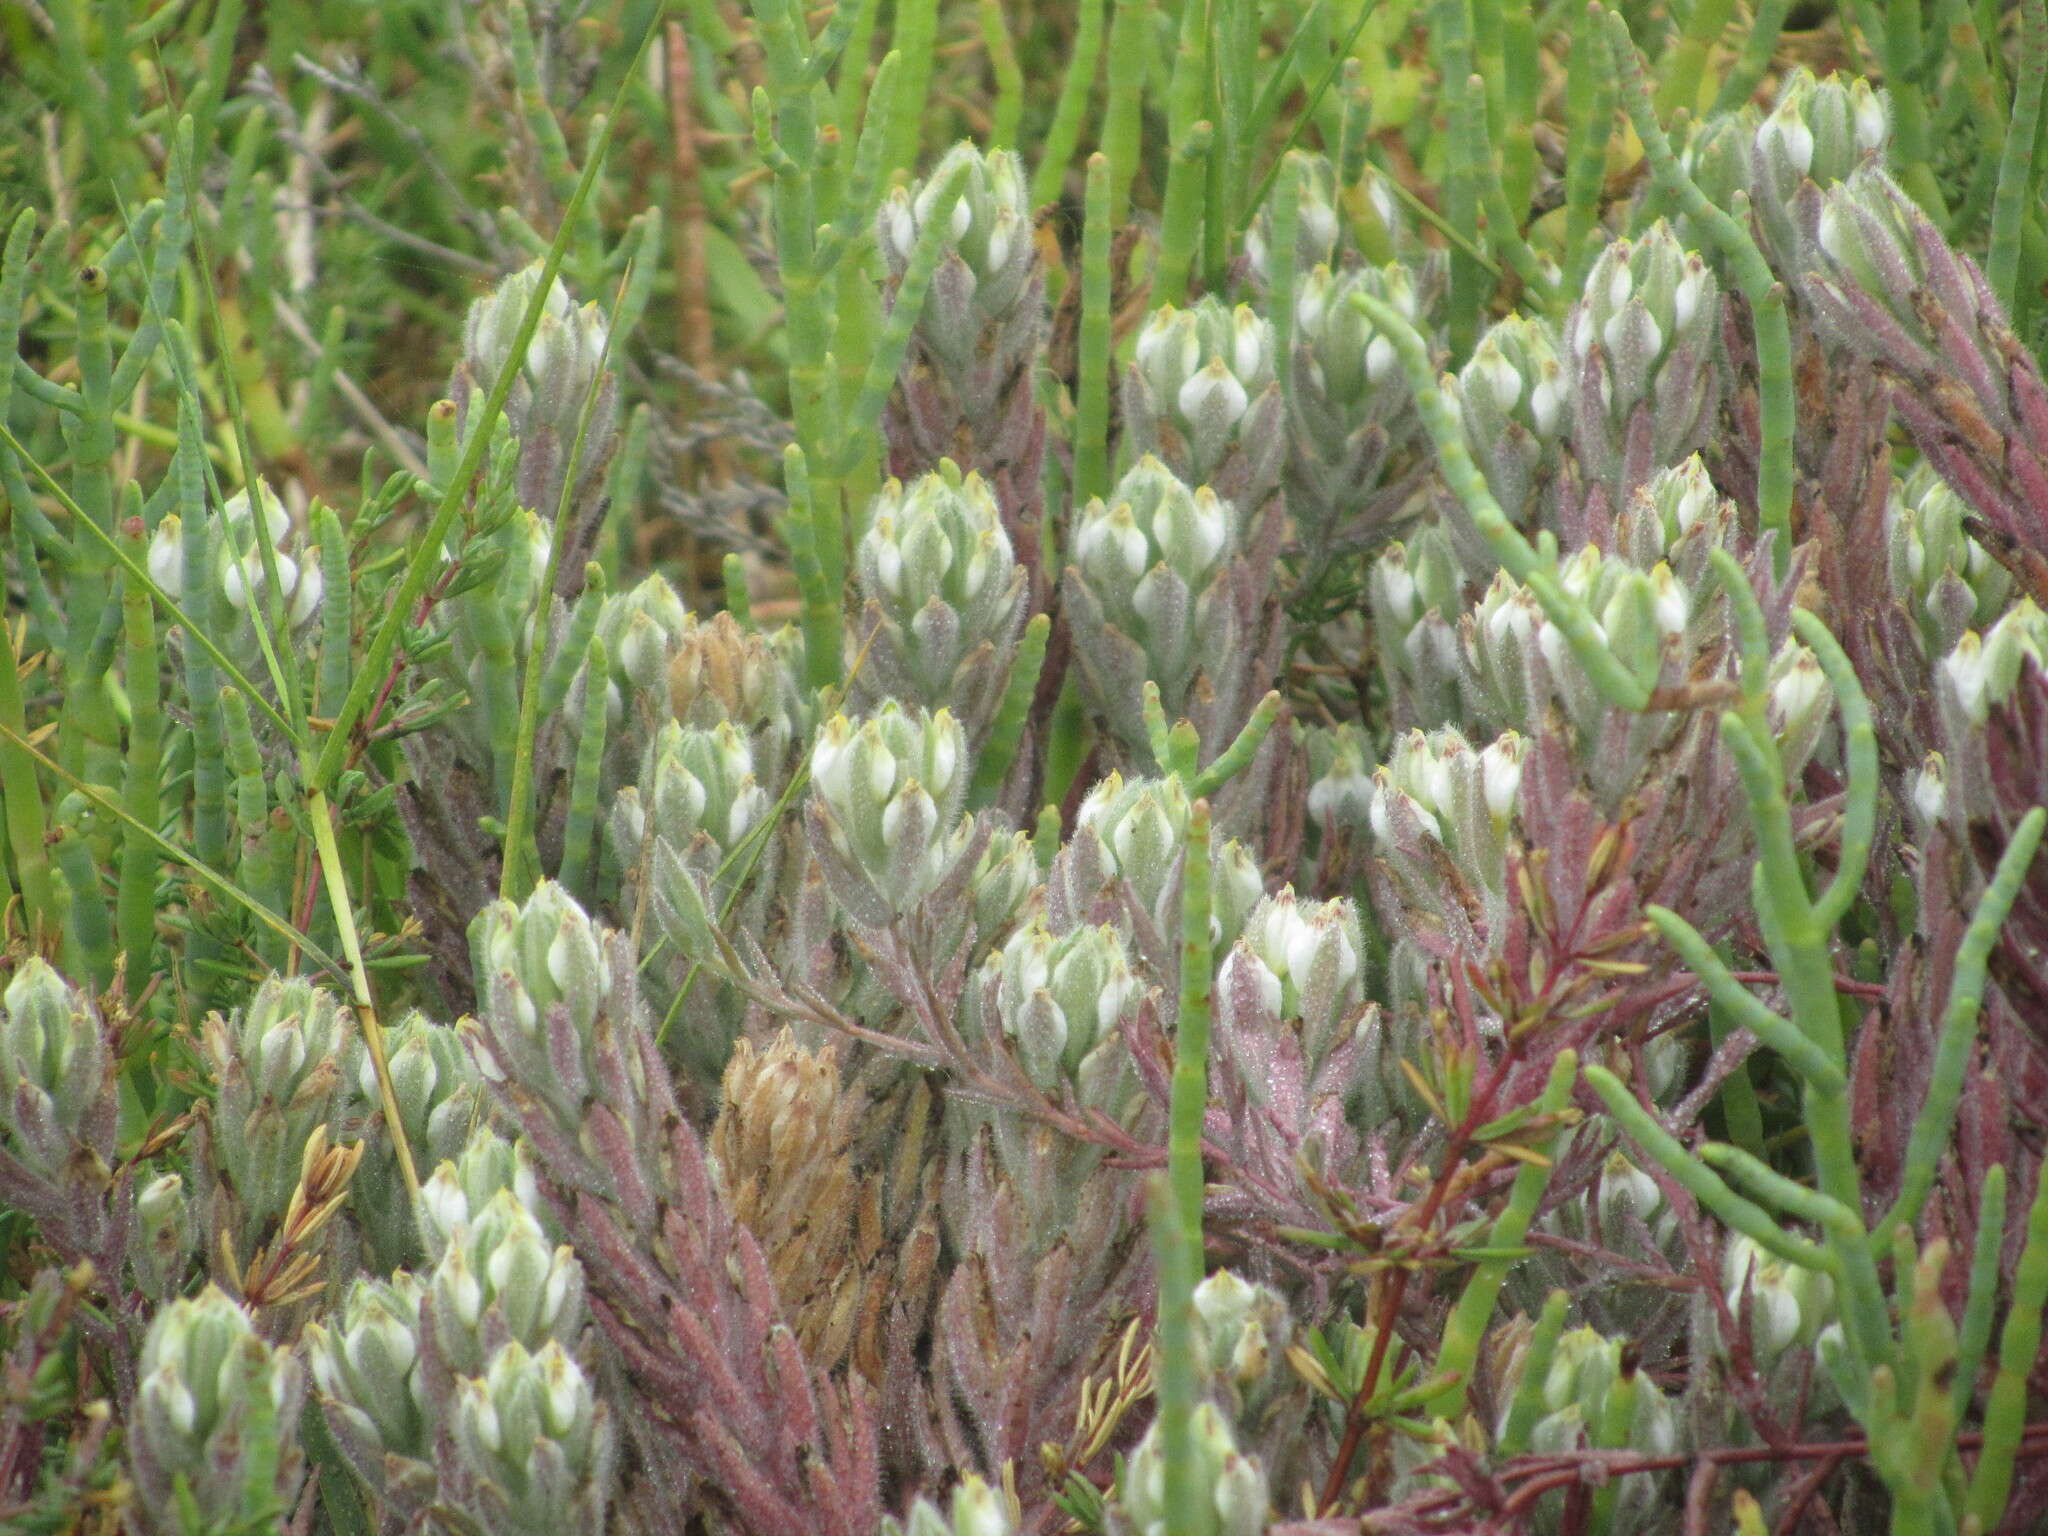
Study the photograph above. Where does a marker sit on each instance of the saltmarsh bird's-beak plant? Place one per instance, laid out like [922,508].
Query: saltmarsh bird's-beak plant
[1145,768]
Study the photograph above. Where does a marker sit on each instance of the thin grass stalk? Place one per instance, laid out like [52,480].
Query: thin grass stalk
[366,1007]
[267,614]
[21,799]
[427,553]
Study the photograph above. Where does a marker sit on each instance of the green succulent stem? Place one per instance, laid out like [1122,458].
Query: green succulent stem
[1180,1218]
[1466,1326]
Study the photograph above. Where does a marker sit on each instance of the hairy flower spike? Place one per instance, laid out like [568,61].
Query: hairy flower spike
[498,1278]
[1203,394]
[887,797]
[967,390]
[215,1403]
[563,366]
[365,1364]
[1153,596]
[1235,1484]
[1352,429]
[55,1074]
[1061,997]
[944,597]
[1819,131]
[537,1451]
[1945,578]
[1515,400]
[1319,227]
[279,1065]
[1641,346]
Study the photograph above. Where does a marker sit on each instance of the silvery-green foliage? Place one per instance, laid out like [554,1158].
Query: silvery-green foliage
[547,978]
[1203,395]
[1515,401]
[1437,786]
[1983,669]
[461,1187]
[1945,578]
[1785,1304]
[163,1243]
[1624,1212]
[1234,1484]
[1350,419]
[987,265]
[701,793]
[1122,865]
[942,597]
[1801,705]
[1642,355]
[216,1405]
[278,1064]
[1242,1330]
[1677,517]
[1416,594]
[1340,777]
[887,808]
[1148,599]
[1306,961]
[978,1510]
[564,366]
[535,1450]
[367,1377]
[1984,689]
[1818,131]
[439,1094]
[640,630]
[56,1076]
[1061,1000]
[1517,665]
[499,1280]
